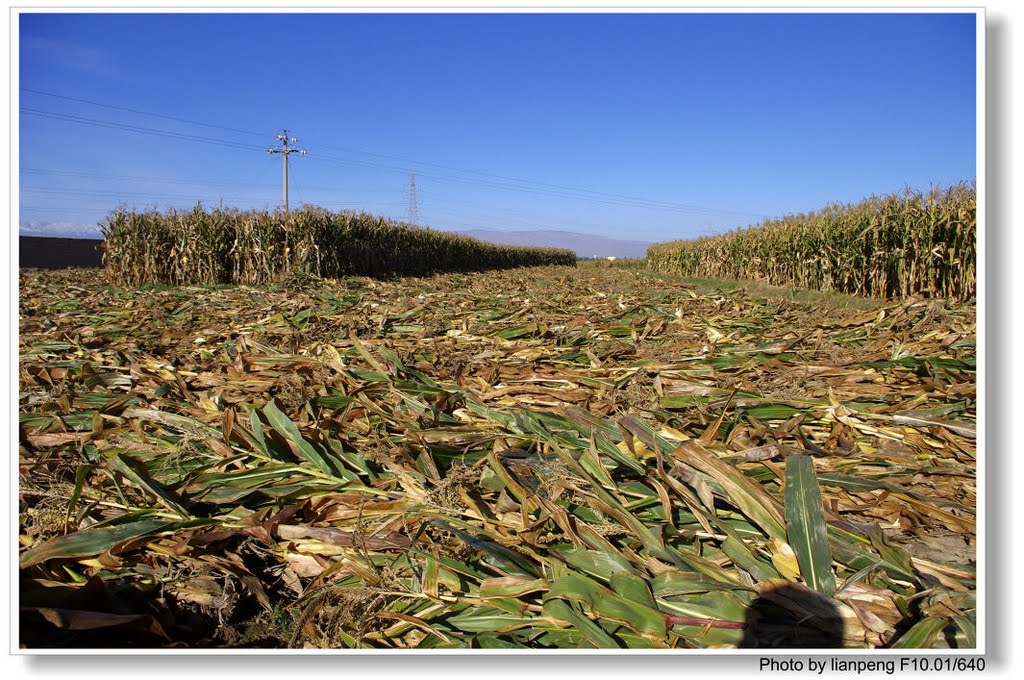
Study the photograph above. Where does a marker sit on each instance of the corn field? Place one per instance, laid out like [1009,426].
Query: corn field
[256,247]
[904,244]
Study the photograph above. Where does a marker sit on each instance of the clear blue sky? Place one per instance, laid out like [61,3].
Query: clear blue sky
[649,127]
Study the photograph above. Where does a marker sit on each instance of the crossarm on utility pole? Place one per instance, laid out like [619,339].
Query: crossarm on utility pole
[286,151]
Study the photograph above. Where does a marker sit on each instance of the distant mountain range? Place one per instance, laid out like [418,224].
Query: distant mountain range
[584,245]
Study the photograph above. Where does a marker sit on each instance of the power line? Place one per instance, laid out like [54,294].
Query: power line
[144,113]
[295,184]
[589,193]
[136,178]
[63,209]
[195,182]
[136,128]
[513,222]
[507,182]
[580,195]
[118,194]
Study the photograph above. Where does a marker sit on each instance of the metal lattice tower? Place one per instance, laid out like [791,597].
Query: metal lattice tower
[414,208]
[286,151]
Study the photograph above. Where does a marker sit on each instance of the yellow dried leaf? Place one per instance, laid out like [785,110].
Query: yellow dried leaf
[784,559]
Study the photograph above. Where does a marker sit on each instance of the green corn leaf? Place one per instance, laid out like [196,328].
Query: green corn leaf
[966,631]
[284,426]
[805,525]
[488,619]
[136,471]
[599,564]
[89,542]
[633,588]
[591,632]
[923,634]
[258,440]
[609,605]
[749,496]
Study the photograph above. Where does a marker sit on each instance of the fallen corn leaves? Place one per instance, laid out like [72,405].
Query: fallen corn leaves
[553,457]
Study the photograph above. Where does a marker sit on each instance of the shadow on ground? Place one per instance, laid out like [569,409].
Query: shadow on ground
[792,617]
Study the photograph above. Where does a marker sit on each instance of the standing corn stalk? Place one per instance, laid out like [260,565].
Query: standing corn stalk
[256,247]
[901,245]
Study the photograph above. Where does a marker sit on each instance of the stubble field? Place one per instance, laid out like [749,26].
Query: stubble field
[551,457]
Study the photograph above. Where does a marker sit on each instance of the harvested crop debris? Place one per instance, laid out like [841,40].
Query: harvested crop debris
[545,458]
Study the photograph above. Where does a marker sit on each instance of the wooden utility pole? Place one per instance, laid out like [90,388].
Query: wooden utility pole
[286,151]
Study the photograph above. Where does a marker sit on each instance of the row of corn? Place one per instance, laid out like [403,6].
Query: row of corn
[255,247]
[910,243]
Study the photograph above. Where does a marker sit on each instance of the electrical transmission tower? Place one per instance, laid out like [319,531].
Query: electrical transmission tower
[414,208]
[286,151]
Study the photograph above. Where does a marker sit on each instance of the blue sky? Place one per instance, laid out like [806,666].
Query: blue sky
[636,126]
